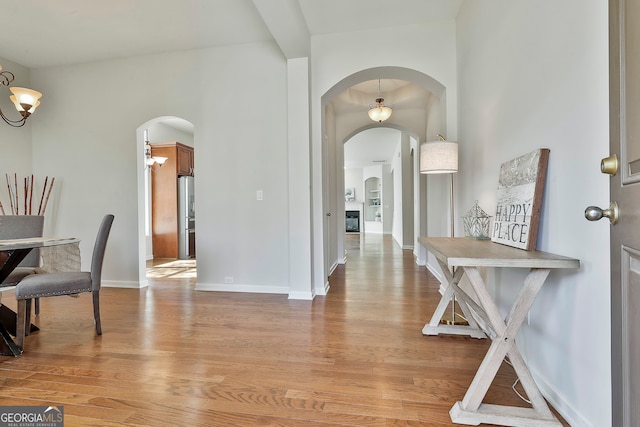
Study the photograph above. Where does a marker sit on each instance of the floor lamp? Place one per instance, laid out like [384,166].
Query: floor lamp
[439,157]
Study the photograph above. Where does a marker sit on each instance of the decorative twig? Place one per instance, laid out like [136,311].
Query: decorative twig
[15,183]
[10,193]
[48,193]
[31,195]
[42,195]
[26,192]
[1,209]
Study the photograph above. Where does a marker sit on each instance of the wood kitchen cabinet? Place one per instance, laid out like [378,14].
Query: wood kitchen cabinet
[164,195]
[185,159]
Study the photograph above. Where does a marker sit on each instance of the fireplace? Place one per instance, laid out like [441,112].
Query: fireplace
[352,221]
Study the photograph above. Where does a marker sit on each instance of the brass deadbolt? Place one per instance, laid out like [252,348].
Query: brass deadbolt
[609,165]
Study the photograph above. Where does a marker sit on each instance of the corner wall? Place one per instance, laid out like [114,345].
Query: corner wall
[15,143]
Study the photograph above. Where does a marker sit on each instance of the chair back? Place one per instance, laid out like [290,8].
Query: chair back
[20,227]
[98,251]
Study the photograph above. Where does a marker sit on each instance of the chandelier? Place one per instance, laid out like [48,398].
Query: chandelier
[379,112]
[150,160]
[25,100]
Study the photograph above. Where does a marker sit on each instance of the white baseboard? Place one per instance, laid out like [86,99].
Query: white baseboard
[435,272]
[407,247]
[237,287]
[123,284]
[323,290]
[333,267]
[302,295]
[559,402]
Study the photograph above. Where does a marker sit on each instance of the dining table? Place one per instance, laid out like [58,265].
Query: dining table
[12,252]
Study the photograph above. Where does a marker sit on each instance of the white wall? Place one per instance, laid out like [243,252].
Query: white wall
[15,143]
[388,197]
[161,132]
[353,179]
[92,149]
[535,74]
[396,167]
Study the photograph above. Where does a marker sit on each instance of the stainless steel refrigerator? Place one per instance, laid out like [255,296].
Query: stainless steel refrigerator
[186,218]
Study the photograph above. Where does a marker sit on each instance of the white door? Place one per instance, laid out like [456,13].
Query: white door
[624,26]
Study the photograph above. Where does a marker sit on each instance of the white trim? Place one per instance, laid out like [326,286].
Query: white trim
[437,274]
[254,289]
[559,402]
[333,267]
[323,290]
[124,284]
[301,295]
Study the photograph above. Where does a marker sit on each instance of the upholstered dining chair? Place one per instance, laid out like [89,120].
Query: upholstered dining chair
[63,283]
[20,227]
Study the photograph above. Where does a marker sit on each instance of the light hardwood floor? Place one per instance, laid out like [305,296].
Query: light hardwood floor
[171,356]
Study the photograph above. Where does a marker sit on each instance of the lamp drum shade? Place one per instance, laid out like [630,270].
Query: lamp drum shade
[439,157]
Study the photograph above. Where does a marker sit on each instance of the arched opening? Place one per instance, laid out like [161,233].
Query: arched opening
[165,130]
[419,113]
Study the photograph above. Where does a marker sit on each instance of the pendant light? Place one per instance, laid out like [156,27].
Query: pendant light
[379,112]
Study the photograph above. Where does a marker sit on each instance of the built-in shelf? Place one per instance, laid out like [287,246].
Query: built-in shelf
[373,204]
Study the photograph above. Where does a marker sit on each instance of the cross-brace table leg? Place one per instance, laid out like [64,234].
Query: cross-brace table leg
[7,316]
[434,327]
[471,410]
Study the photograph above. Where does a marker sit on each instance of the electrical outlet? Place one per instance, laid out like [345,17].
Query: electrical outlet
[228,279]
[259,195]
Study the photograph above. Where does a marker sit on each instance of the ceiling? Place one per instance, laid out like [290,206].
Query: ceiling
[79,31]
[92,30]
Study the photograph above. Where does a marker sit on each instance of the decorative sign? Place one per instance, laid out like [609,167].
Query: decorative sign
[520,189]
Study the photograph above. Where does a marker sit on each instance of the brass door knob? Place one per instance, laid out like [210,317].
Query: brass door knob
[594,213]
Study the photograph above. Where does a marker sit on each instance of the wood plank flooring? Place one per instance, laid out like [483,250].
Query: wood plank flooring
[171,356]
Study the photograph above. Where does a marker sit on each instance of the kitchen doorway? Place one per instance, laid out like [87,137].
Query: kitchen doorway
[166,159]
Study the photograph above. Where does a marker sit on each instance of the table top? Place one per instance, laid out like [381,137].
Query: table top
[34,242]
[466,252]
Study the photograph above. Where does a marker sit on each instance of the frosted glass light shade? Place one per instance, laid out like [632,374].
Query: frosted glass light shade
[439,157]
[380,113]
[19,106]
[25,97]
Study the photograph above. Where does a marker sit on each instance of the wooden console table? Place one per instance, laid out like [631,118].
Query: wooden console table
[462,256]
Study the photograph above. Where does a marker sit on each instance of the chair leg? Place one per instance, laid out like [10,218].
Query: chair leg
[21,323]
[27,325]
[37,309]
[96,311]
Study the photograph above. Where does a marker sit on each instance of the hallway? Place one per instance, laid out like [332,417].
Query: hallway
[173,356]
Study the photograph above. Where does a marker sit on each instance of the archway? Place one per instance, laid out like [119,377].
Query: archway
[344,109]
[159,129]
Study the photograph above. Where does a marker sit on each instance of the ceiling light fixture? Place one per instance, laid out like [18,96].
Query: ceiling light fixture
[149,160]
[379,112]
[25,100]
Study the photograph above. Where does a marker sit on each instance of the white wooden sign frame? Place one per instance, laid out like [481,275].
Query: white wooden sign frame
[519,200]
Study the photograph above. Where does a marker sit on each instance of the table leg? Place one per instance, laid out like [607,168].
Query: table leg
[7,346]
[8,316]
[15,257]
[434,327]
[471,410]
